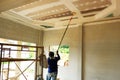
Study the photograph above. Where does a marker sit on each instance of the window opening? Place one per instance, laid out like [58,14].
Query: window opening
[64,54]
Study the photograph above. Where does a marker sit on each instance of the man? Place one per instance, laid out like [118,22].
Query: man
[52,66]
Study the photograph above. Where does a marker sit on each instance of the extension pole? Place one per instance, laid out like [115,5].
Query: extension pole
[64,33]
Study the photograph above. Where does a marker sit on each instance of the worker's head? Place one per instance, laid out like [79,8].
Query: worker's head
[51,54]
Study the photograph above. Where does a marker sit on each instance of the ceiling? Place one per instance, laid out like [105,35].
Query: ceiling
[55,14]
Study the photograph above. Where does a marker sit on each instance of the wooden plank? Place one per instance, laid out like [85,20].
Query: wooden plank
[16,59]
[9,4]
[21,45]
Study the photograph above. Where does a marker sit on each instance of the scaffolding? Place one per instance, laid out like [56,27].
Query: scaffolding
[7,57]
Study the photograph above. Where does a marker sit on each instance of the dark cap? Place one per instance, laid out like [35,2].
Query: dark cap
[51,54]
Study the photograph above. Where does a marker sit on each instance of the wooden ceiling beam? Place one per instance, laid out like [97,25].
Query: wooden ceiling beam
[9,4]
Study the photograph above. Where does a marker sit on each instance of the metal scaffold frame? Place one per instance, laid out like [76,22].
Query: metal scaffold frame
[38,50]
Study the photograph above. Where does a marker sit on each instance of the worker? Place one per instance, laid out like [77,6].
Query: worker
[52,66]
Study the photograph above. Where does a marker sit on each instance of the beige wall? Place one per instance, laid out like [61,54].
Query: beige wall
[101,48]
[16,31]
[102,51]
[72,38]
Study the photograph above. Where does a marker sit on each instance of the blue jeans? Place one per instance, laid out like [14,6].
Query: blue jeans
[52,76]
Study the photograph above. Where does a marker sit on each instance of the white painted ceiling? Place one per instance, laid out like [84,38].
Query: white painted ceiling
[55,14]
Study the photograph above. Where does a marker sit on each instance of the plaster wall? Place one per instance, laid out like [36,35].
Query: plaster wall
[101,51]
[16,31]
[101,48]
[100,55]
[73,39]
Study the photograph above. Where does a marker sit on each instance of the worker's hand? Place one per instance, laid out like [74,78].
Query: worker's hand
[57,52]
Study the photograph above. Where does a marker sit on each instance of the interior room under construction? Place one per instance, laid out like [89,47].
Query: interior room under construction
[86,32]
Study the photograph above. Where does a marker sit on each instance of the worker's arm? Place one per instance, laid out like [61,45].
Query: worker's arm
[58,56]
